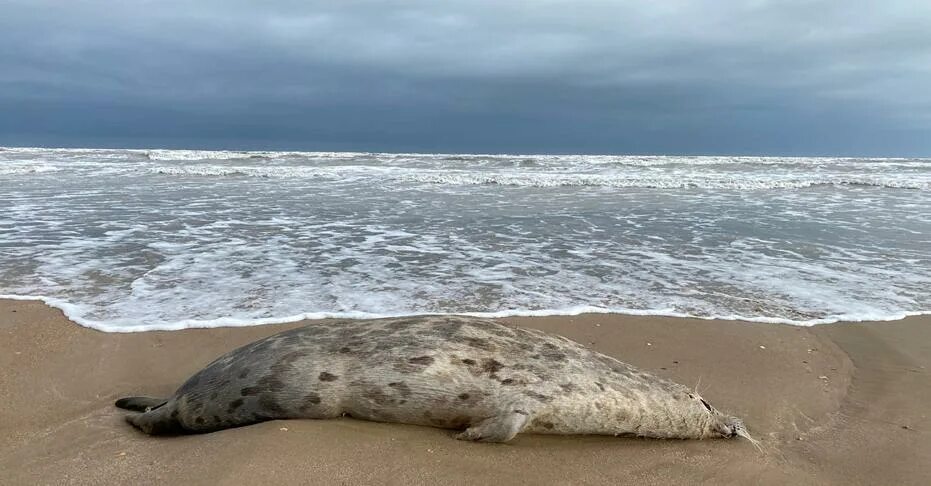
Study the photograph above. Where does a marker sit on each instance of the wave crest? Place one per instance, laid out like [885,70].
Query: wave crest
[548,179]
[27,169]
[664,182]
[194,155]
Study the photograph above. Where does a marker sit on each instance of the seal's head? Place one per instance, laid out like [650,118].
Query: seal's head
[714,423]
[683,414]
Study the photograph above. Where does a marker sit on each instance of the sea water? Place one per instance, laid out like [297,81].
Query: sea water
[130,240]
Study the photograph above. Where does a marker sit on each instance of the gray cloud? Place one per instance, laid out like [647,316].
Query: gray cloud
[803,76]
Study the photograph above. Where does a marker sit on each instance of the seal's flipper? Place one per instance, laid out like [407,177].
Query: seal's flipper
[500,428]
[140,404]
[160,421]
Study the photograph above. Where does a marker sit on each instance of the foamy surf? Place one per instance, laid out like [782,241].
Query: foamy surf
[76,314]
[131,240]
[708,180]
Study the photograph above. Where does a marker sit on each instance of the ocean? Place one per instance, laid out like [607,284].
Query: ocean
[132,240]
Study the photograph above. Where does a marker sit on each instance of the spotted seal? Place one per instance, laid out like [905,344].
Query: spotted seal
[488,380]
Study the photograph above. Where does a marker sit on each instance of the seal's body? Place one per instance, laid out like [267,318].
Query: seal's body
[471,374]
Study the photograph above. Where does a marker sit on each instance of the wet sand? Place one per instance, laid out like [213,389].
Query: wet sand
[841,403]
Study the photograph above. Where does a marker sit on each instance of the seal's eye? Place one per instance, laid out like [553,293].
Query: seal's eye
[703,402]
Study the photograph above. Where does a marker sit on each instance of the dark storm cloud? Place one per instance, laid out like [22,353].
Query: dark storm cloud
[558,76]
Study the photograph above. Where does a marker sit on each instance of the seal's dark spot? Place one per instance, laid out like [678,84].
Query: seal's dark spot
[310,400]
[421,360]
[271,383]
[235,404]
[600,386]
[554,355]
[344,350]
[249,391]
[478,343]
[401,387]
[544,424]
[491,365]
[469,362]
[463,396]
[568,387]
[377,395]
[216,419]
[327,376]
[199,420]
[244,373]
[538,396]
[507,381]
[267,402]
[214,395]
[174,413]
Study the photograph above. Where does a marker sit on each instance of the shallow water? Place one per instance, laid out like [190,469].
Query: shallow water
[158,239]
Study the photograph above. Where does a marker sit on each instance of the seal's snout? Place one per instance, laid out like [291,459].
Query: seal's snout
[728,427]
[736,428]
[732,427]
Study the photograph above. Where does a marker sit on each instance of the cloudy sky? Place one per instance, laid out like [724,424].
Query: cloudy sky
[814,77]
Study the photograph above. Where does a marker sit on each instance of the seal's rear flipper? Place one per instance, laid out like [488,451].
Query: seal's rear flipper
[140,404]
[159,421]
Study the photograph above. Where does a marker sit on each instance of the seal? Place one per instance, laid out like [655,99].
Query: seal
[488,380]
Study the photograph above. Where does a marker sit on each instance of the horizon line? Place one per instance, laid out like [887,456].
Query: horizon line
[475,154]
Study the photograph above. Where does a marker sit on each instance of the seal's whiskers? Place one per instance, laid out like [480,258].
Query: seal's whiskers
[742,432]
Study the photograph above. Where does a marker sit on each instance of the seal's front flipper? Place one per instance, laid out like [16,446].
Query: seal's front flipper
[140,404]
[500,428]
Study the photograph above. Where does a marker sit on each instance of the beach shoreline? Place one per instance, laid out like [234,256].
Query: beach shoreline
[831,403]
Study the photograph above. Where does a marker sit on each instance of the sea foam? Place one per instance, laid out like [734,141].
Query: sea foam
[131,240]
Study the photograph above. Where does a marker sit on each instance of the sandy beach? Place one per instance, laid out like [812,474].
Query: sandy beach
[833,404]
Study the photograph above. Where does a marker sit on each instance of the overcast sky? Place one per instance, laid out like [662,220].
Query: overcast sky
[788,77]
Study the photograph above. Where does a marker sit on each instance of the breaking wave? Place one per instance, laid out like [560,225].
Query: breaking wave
[26,169]
[131,240]
[530,178]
